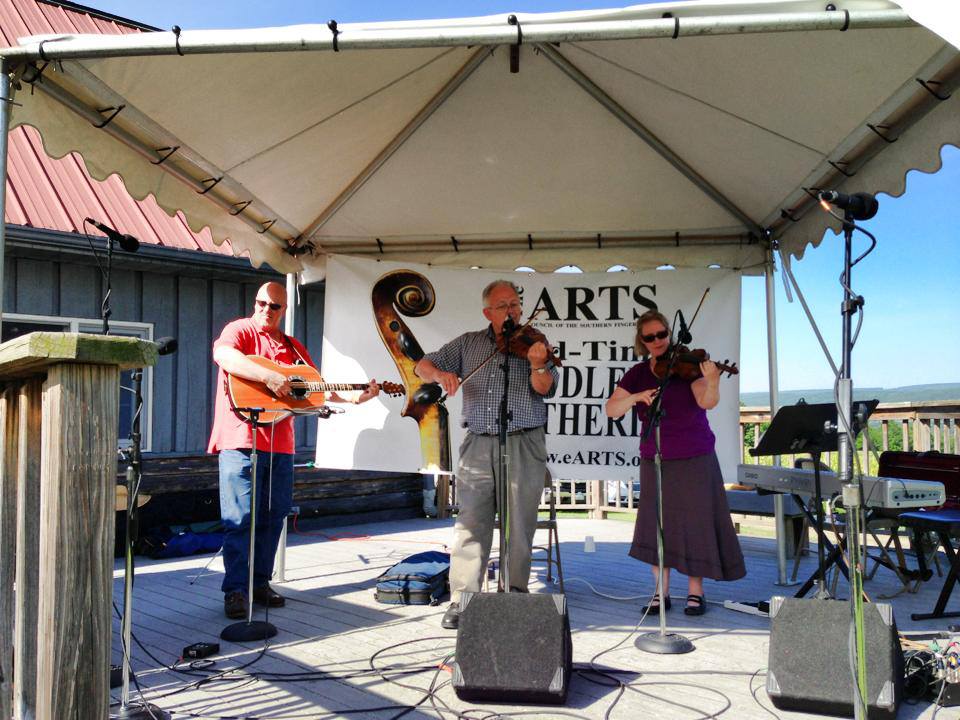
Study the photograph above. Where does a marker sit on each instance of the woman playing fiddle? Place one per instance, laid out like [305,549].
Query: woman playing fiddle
[698,535]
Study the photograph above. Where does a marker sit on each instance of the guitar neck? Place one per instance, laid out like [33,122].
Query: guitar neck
[325,387]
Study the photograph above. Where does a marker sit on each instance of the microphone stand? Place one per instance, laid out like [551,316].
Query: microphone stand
[105,311]
[852,490]
[661,642]
[502,486]
[249,630]
[127,710]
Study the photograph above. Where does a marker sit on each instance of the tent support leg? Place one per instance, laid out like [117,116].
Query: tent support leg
[289,324]
[778,500]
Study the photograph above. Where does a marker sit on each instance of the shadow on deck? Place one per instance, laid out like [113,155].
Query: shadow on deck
[341,654]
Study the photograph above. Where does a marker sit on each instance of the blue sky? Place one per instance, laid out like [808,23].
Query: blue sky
[909,282]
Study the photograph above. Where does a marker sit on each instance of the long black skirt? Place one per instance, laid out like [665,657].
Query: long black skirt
[699,539]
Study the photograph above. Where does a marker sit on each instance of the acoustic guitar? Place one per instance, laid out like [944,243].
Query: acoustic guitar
[308,392]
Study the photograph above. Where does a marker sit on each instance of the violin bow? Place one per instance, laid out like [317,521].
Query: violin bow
[697,311]
[732,368]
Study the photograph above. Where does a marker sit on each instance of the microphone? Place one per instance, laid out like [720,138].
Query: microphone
[508,327]
[860,206]
[166,345]
[127,242]
[683,337]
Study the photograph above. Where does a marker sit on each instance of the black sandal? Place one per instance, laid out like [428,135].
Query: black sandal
[654,606]
[699,609]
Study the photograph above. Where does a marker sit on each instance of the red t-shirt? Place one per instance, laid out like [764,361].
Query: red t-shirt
[229,431]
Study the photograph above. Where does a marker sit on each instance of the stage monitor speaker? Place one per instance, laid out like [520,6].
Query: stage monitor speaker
[809,665]
[513,648]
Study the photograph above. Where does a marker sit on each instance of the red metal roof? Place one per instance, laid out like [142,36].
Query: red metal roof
[59,194]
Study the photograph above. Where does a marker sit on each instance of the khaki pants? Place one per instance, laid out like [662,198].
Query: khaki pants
[476,495]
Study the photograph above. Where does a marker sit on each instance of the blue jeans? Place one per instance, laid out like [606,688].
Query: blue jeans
[235,512]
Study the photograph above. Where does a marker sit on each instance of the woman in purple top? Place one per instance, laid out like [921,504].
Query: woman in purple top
[698,535]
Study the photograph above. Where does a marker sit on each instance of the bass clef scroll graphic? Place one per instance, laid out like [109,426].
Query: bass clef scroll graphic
[405,292]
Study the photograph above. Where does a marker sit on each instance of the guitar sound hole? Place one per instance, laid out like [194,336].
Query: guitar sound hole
[298,393]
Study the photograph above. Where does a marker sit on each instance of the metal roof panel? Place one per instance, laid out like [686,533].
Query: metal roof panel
[57,194]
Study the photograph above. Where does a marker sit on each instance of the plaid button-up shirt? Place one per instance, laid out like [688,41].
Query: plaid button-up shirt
[483,392]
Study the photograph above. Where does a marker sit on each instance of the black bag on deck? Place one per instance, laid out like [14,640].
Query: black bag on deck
[420,579]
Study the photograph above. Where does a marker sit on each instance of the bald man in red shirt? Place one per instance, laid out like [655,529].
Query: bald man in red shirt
[232,438]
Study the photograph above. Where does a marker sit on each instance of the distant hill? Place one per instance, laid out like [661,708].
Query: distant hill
[908,393]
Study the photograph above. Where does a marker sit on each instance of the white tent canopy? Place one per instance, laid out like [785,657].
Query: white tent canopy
[614,143]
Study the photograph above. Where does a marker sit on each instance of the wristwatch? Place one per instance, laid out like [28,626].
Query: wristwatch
[539,370]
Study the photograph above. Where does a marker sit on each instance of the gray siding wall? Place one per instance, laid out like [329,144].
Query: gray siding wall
[180,301]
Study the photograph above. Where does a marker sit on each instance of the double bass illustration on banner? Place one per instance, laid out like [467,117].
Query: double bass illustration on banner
[407,293]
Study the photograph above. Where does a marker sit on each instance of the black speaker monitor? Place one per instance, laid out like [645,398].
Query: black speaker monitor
[809,664]
[513,647]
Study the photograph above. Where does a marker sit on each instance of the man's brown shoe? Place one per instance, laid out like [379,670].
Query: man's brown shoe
[235,605]
[266,595]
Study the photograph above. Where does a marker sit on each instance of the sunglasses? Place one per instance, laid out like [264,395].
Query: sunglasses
[655,336]
[273,306]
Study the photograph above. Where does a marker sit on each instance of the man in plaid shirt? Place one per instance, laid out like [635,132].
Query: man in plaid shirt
[531,379]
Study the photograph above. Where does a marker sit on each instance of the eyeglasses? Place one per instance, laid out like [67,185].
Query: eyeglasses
[272,306]
[504,307]
[655,336]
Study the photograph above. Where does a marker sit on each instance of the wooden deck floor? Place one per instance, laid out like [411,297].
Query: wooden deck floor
[332,632]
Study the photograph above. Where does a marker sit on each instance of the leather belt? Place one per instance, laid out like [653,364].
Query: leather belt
[510,432]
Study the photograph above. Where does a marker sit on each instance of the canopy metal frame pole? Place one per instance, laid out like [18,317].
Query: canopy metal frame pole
[6,100]
[289,326]
[642,132]
[395,144]
[774,385]
[456,34]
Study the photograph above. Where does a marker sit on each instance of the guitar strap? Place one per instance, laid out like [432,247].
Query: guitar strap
[293,347]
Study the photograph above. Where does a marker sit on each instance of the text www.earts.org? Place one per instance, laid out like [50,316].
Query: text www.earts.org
[613,458]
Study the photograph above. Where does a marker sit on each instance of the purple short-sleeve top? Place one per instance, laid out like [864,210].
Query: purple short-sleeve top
[684,429]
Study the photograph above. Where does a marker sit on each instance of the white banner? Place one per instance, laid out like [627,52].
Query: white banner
[589,317]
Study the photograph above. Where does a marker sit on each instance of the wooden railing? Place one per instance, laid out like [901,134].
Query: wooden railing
[927,425]
[919,426]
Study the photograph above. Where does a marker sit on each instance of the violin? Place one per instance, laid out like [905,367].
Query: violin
[687,364]
[522,339]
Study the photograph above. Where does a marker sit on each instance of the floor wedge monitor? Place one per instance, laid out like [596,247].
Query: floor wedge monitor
[513,647]
[809,666]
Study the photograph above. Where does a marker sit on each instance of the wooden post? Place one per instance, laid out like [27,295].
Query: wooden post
[28,547]
[593,498]
[756,440]
[443,482]
[68,387]
[8,535]
[866,450]
[905,435]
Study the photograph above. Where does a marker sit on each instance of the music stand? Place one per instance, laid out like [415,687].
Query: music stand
[811,428]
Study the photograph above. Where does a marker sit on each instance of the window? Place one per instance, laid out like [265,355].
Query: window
[15,325]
